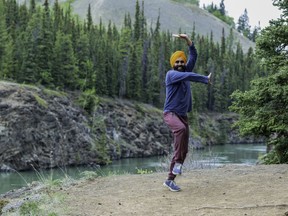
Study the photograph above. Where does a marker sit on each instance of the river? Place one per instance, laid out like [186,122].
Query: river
[246,154]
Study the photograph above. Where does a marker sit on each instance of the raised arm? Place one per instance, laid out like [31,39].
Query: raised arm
[192,53]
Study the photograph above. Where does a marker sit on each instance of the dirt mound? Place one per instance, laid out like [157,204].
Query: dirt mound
[230,190]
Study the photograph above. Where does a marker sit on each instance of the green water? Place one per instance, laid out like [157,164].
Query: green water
[217,155]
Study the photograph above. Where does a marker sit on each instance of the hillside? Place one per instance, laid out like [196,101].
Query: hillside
[173,16]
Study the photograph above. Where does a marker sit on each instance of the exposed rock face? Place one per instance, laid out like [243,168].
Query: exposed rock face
[41,130]
[137,130]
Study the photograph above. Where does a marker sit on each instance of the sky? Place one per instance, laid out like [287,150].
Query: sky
[258,10]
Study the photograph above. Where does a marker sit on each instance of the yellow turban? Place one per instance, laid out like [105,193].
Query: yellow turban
[177,55]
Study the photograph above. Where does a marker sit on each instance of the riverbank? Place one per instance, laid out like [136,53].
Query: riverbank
[228,190]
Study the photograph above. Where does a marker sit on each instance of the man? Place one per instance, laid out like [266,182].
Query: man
[177,103]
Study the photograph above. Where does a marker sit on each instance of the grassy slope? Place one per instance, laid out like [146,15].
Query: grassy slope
[173,16]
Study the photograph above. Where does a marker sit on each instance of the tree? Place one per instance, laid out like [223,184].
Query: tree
[263,109]
[30,70]
[64,70]
[243,24]
[124,49]
[3,37]
[222,8]
[89,18]
[45,46]
[137,23]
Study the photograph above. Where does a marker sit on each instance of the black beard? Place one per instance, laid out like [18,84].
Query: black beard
[181,68]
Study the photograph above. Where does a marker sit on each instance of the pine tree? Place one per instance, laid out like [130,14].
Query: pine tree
[222,8]
[112,63]
[12,17]
[30,71]
[32,8]
[57,19]
[64,70]
[45,46]
[124,49]
[101,69]
[24,18]
[82,58]
[137,23]
[134,73]
[153,82]
[143,24]
[89,18]
[3,37]
[243,24]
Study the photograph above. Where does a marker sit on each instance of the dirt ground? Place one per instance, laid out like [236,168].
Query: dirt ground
[230,190]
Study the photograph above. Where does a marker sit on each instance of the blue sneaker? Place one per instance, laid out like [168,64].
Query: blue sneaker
[171,185]
[177,169]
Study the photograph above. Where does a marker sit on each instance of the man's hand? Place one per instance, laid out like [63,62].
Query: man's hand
[210,79]
[185,37]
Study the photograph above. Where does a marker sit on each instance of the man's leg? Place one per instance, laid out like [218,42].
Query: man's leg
[180,129]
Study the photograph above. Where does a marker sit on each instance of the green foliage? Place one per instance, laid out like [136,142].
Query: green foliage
[31,208]
[263,109]
[227,19]
[193,2]
[88,100]
[89,175]
[3,203]
[220,13]
[34,208]
[144,171]
[50,92]
[140,109]
[40,101]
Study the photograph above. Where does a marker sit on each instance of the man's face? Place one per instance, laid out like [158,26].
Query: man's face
[179,65]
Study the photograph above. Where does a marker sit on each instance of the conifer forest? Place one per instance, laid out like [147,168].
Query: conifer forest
[48,45]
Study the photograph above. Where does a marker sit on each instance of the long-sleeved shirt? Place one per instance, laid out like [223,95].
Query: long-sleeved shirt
[178,92]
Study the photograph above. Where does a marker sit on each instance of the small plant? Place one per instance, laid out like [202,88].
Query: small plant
[143,171]
[89,175]
[30,208]
[2,204]
[50,92]
[40,101]
[88,100]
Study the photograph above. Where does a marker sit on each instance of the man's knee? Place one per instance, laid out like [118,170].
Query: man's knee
[183,129]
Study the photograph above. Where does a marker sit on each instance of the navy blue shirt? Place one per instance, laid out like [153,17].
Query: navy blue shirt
[178,92]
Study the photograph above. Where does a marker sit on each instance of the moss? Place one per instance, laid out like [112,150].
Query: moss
[3,203]
[30,208]
[50,92]
[29,86]
[40,101]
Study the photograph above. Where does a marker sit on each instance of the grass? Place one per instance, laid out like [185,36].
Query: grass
[40,198]
[143,171]
[50,92]
[40,100]
[192,162]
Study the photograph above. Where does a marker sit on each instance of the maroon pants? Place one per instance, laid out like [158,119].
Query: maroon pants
[180,129]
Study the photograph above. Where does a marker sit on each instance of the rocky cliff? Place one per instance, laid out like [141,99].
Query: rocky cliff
[40,128]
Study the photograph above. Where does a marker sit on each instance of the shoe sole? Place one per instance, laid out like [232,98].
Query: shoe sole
[171,188]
